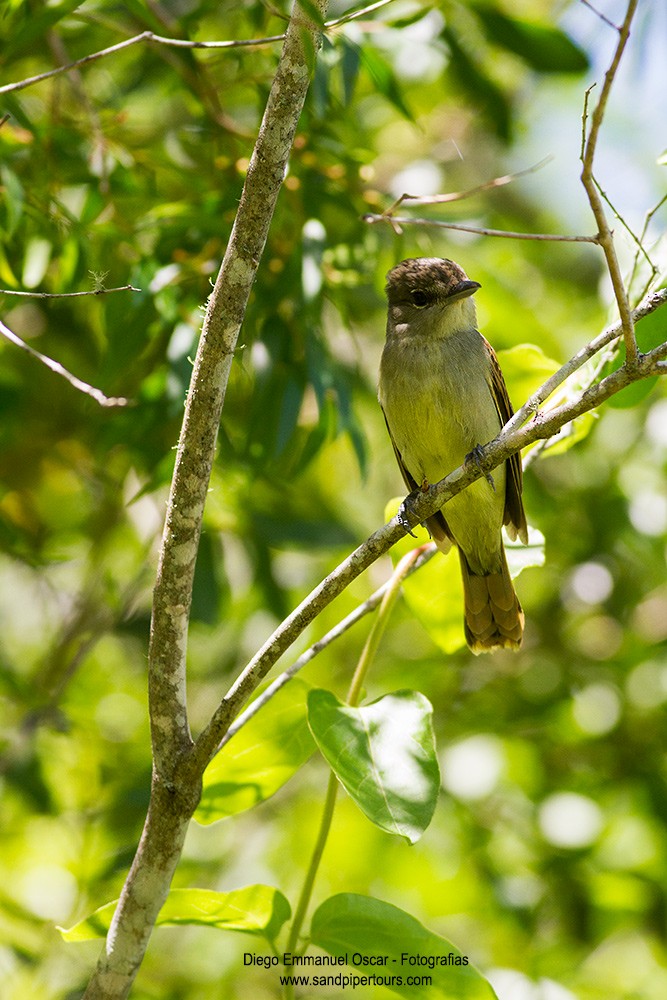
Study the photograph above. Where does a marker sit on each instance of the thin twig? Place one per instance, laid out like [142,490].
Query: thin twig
[600,15]
[441,199]
[332,635]
[356,14]
[589,145]
[181,43]
[56,367]
[404,567]
[69,295]
[637,240]
[478,230]
[642,236]
[145,36]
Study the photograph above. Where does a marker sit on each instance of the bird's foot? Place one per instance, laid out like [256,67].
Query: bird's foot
[476,456]
[405,514]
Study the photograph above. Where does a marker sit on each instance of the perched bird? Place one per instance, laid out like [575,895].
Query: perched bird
[443,394]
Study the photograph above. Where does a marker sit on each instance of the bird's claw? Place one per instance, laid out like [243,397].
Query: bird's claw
[476,456]
[405,516]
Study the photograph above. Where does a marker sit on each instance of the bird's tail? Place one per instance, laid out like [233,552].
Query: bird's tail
[492,615]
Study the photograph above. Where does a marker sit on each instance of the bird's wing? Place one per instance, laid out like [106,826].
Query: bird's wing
[514,516]
[436,524]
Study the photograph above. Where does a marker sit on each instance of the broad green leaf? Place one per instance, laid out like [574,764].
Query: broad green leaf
[383,754]
[349,924]
[255,909]
[258,761]
[435,593]
[525,368]
[542,46]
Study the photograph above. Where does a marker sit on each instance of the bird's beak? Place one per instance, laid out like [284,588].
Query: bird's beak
[463,290]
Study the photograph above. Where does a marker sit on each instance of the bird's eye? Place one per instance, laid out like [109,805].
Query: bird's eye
[419,299]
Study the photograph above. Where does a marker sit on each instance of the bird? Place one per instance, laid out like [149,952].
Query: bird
[443,395]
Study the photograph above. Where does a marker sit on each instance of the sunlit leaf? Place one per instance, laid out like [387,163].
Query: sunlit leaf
[349,924]
[255,909]
[36,261]
[525,368]
[260,758]
[383,754]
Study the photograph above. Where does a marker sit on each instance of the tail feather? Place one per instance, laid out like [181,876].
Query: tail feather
[493,618]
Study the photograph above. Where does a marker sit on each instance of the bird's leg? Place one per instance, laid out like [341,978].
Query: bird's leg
[476,456]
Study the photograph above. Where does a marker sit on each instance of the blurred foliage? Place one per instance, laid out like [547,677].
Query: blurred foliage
[547,856]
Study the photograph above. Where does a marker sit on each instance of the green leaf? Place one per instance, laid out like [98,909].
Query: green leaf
[349,69]
[543,47]
[262,756]
[384,755]
[385,80]
[255,909]
[435,594]
[349,924]
[483,92]
[525,368]
[20,32]
[12,202]
[36,261]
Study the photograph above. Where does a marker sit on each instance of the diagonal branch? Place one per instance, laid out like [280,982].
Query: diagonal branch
[612,333]
[59,369]
[370,604]
[512,438]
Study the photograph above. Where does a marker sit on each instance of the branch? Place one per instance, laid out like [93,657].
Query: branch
[512,438]
[441,199]
[396,223]
[177,771]
[370,604]
[529,408]
[56,367]
[613,332]
[69,295]
[356,14]
[179,43]
[589,145]
[145,36]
